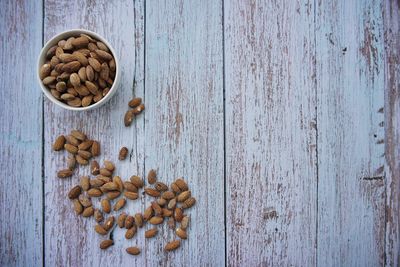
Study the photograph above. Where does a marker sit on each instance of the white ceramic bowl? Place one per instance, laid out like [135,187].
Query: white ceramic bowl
[65,35]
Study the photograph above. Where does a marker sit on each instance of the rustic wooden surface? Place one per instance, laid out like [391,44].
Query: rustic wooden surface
[284,116]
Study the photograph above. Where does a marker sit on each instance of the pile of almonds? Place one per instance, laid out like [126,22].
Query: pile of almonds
[79,71]
[169,204]
[136,108]
[81,150]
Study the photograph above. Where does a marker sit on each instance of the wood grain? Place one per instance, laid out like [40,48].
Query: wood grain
[391,16]
[20,134]
[69,240]
[271,166]
[350,89]
[184,121]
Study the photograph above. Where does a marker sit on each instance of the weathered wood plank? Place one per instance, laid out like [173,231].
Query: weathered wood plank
[69,240]
[184,121]
[392,130]
[271,169]
[20,134]
[350,89]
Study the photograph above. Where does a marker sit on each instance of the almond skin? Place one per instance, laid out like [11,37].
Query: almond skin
[106,244]
[59,143]
[172,245]
[151,233]
[133,250]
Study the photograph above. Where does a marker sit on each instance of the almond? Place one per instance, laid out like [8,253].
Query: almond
[123,152]
[81,160]
[80,41]
[77,206]
[130,187]
[66,57]
[44,71]
[109,223]
[151,233]
[61,87]
[88,212]
[68,44]
[55,94]
[175,188]
[120,204]
[135,102]
[106,244]
[96,183]
[94,167]
[92,47]
[111,186]
[171,223]
[139,220]
[133,250]
[67,97]
[78,135]
[82,90]
[178,216]
[74,192]
[161,186]
[81,58]
[111,63]
[172,204]
[113,195]
[109,165]
[103,55]
[118,181]
[64,173]
[121,220]
[172,245]
[167,212]
[84,154]
[89,73]
[181,184]
[183,196]
[106,205]
[71,162]
[161,201]
[76,102]
[92,87]
[156,220]
[72,140]
[95,149]
[129,222]
[151,192]
[82,74]
[51,52]
[157,209]
[48,80]
[128,118]
[148,213]
[181,233]
[131,195]
[100,229]
[85,201]
[87,100]
[95,192]
[59,51]
[189,203]
[71,67]
[137,181]
[95,64]
[102,46]
[130,232]
[185,222]
[85,145]
[105,172]
[54,61]
[152,177]
[97,97]
[98,216]
[104,72]
[138,109]
[59,143]
[168,195]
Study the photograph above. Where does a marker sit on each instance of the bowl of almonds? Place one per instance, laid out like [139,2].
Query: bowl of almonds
[78,70]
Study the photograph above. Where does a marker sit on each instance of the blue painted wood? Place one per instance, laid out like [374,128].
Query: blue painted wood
[351,171]
[20,135]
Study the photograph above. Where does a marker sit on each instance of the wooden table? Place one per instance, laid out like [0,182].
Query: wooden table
[284,117]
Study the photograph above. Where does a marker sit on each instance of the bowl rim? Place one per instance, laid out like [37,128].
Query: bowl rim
[52,41]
